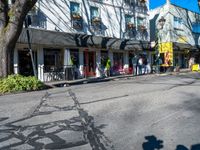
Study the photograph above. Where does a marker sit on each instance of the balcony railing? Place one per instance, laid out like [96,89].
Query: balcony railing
[59,73]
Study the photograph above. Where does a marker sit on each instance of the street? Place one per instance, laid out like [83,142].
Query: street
[139,113]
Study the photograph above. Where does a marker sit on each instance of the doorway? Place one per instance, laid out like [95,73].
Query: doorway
[90,63]
[25,64]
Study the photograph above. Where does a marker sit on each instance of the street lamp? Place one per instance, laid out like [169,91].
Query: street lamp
[161,23]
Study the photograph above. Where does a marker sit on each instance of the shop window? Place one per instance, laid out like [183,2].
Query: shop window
[74,57]
[118,62]
[104,57]
[162,57]
[52,60]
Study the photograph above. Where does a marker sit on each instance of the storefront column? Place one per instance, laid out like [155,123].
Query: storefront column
[66,57]
[126,62]
[40,58]
[110,55]
[98,63]
[16,67]
[180,60]
[81,62]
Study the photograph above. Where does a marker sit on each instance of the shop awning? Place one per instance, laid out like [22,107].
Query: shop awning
[182,46]
[72,40]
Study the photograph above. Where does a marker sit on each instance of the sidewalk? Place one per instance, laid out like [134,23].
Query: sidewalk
[102,79]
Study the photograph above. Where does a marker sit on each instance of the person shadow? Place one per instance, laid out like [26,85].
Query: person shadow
[152,143]
[193,147]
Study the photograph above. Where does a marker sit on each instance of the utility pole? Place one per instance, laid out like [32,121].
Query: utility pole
[27,23]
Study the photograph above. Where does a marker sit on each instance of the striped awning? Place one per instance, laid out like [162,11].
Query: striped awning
[73,40]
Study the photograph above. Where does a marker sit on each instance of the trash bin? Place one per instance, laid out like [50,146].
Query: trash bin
[69,73]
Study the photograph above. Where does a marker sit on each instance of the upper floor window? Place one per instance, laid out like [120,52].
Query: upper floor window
[74,7]
[141,24]
[129,2]
[94,12]
[140,21]
[196,27]
[129,20]
[178,22]
[95,18]
[77,21]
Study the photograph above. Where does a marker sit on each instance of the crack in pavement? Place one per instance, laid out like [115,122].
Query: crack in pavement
[75,131]
[44,135]
[96,138]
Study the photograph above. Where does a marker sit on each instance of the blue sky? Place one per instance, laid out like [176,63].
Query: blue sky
[189,4]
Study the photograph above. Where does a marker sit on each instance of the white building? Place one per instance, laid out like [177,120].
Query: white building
[83,33]
[177,31]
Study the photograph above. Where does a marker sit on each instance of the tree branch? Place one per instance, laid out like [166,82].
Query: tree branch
[17,14]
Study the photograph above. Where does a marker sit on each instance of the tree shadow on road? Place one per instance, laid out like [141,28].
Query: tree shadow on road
[59,134]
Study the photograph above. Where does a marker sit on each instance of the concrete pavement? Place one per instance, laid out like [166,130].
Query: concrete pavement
[131,113]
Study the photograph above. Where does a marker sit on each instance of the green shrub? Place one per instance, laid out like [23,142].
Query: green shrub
[15,83]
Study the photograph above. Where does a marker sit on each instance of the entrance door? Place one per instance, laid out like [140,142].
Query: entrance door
[90,63]
[25,64]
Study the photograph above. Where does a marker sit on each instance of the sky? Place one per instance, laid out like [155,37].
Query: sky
[189,4]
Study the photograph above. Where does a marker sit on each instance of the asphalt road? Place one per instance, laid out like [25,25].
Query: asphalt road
[141,113]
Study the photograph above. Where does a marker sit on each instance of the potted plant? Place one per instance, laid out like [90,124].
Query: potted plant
[76,15]
[130,25]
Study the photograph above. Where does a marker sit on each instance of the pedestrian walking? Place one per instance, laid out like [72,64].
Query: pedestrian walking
[140,64]
[145,62]
[135,65]
[107,68]
[191,62]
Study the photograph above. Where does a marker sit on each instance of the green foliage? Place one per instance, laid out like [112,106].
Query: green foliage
[15,83]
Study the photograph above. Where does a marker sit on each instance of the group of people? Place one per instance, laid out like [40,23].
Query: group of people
[140,65]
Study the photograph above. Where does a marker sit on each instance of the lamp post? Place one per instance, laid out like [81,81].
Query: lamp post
[27,23]
[161,23]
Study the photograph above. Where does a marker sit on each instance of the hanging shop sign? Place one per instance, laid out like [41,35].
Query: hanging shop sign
[167,49]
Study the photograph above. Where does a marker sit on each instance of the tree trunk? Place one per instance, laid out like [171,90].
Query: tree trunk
[11,24]
[3,58]
[6,52]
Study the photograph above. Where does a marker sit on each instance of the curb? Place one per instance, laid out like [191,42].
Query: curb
[96,80]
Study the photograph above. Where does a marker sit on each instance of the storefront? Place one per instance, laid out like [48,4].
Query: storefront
[24,62]
[84,52]
[118,62]
[89,63]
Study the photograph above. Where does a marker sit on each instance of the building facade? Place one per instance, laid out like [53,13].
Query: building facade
[175,35]
[83,33]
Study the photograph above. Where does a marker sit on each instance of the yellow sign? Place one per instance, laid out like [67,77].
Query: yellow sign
[195,67]
[167,49]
